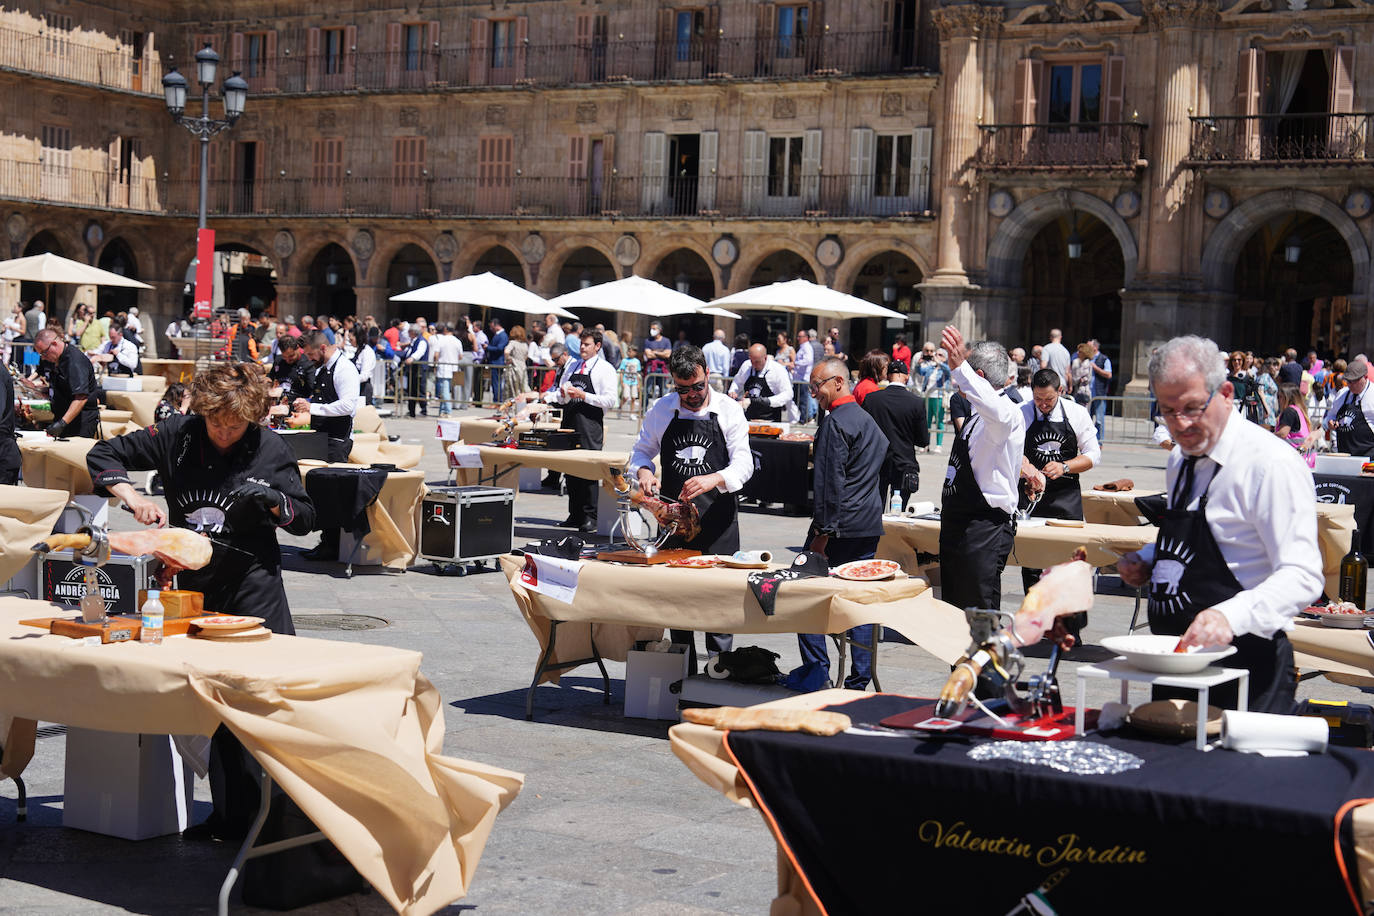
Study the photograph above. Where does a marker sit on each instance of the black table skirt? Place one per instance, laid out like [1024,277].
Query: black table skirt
[1359,491]
[782,471]
[889,824]
[342,495]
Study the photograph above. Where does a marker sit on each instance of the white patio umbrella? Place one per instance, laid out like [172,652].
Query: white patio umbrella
[52,268]
[637,295]
[802,297]
[484,289]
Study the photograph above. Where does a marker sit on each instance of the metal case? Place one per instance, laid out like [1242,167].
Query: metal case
[464,524]
[124,580]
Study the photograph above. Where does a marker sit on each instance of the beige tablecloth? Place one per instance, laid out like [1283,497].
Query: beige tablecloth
[719,601]
[142,404]
[375,448]
[1035,548]
[591,464]
[56,464]
[171,370]
[367,420]
[353,733]
[394,517]
[1111,508]
[27,515]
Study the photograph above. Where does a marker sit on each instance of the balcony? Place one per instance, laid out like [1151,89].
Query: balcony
[1281,140]
[55,55]
[617,197]
[1108,147]
[613,61]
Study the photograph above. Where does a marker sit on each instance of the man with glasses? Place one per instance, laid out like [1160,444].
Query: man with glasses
[1352,412]
[1236,556]
[703,440]
[847,520]
[71,381]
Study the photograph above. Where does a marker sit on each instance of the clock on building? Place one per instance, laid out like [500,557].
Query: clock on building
[1358,203]
[829,252]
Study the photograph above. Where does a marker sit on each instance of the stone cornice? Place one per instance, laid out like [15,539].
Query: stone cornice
[1167,14]
[966,20]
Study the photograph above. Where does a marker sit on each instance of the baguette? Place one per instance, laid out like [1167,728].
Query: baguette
[750,718]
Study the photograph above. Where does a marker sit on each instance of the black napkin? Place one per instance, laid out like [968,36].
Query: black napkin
[765,584]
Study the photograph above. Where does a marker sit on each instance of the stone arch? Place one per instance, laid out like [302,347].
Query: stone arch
[855,258]
[1007,250]
[754,254]
[473,249]
[563,248]
[303,258]
[67,239]
[396,241]
[1227,240]
[653,255]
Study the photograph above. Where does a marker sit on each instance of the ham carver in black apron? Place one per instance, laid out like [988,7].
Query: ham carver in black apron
[1353,434]
[587,388]
[333,403]
[758,380]
[702,440]
[1236,556]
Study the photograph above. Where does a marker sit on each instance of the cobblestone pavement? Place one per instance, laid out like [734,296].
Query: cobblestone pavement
[609,820]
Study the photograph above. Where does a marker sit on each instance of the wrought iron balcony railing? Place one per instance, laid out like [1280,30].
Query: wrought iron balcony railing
[1288,139]
[763,197]
[56,55]
[1035,147]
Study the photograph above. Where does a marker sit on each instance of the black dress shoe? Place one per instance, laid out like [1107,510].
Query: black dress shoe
[570,522]
[587,528]
[321,552]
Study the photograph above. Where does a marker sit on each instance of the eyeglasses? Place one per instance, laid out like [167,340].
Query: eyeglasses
[817,386]
[43,351]
[1189,413]
[690,389]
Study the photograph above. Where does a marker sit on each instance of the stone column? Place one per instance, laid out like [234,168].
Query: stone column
[979,314]
[962,29]
[372,300]
[292,299]
[1149,317]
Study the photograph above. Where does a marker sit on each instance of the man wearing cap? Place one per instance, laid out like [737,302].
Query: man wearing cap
[901,416]
[1351,414]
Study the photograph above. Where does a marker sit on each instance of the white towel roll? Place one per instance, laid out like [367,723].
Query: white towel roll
[1271,735]
[752,556]
[716,671]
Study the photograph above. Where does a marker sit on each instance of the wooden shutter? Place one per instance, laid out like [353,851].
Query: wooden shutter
[765,24]
[1114,112]
[522,43]
[478,32]
[314,58]
[326,172]
[755,170]
[811,169]
[431,55]
[394,32]
[259,174]
[582,63]
[1343,140]
[706,169]
[138,195]
[408,186]
[350,59]
[815,35]
[494,173]
[117,190]
[1249,89]
[861,143]
[710,51]
[665,47]
[922,144]
[577,175]
[1030,76]
[268,79]
[655,167]
[236,53]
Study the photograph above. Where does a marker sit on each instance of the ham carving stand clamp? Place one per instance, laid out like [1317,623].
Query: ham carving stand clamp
[642,530]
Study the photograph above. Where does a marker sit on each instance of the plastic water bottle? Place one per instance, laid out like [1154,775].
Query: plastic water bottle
[152,618]
[896,507]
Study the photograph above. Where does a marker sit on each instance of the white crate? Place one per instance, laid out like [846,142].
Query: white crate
[128,786]
[648,675]
[122,383]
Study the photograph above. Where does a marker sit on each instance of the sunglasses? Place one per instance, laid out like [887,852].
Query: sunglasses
[692,388]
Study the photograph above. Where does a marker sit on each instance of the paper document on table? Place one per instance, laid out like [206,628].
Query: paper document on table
[552,576]
[448,431]
[464,456]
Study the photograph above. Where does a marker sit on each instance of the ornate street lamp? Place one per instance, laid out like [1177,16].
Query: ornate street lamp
[331,276]
[682,283]
[1074,241]
[889,290]
[412,279]
[584,280]
[235,91]
[1292,249]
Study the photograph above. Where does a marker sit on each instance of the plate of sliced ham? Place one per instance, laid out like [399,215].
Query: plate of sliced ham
[702,562]
[867,570]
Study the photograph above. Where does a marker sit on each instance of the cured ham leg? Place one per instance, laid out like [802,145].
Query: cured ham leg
[683,516]
[177,548]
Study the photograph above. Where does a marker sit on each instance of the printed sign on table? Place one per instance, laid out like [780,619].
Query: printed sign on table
[464,456]
[448,431]
[552,576]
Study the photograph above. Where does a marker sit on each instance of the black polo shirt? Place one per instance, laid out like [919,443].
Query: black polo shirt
[72,377]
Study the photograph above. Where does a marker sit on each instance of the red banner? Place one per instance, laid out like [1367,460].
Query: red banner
[205,274]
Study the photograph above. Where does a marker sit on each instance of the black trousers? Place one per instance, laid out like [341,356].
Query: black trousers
[582,498]
[973,554]
[415,389]
[1273,683]
[365,391]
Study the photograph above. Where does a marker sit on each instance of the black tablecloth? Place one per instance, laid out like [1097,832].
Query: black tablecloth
[1359,491]
[306,444]
[885,824]
[342,495]
[782,471]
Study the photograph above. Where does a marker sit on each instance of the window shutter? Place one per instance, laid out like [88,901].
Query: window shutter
[1249,87]
[393,53]
[811,169]
[116,190]
[1030,75]
[259,174]
[314,58]
[1343,130]
[861,143]
[665,48]
[1114,112]
[765,21]
[478,31]
[269,73]
[522,43]
[582,69]
[138,199]
[654,170]
[921,145]
[755,169]
[577,175]
[236,53]
[431,56]
[350,53]
[710,52]
[706,169]
[815,35]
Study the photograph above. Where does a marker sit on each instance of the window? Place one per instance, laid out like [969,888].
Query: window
[690,33]
[327,161]
[408,174]
[495,173]
[784,166]
[1075,95]
[892,166]
[502,43]
[57,33]
[55,168]
[414,38]
[791,31]
[255,56]
[332,49]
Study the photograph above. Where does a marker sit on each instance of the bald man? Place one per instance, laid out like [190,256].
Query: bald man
[762,386]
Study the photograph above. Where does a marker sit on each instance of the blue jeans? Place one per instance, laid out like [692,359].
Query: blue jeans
[806,405]
[443,390]
[1099,415]
[812,645]
[496,379]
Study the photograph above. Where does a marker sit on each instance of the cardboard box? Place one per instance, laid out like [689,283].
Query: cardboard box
[122,383]
[128,786]
[648,677]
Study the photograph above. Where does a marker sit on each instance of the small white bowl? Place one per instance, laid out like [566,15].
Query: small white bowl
[1340,621]
[1156,653]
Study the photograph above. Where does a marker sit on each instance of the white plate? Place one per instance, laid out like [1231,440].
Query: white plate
[1340,621]
[1156,653]
[740,564]
[842,571]
[227,622]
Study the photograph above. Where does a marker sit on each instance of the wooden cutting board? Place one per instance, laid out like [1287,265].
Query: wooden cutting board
[113,630]
[634,556]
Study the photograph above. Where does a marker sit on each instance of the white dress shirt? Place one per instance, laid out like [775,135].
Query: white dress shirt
[345,386]
[605,382]
[1365,398]
[364,360]
[774,374]
[804,362]
[732,423]
[717,358]
[1262,511]
[126,354]
[1079,420]
[448,353]
[995,442]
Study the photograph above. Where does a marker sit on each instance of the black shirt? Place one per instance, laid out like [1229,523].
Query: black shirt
[849,455]
[1291,372]
[72,377]
[901,416]
[1290,418]
[297,377]
[959,407]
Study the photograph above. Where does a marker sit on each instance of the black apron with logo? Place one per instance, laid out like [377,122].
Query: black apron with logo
[1049,440]
[758,391]
[1353,435]
[338,429]
[1190,575]
[961,495]
[975,538]
[586,420]
[689,448]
